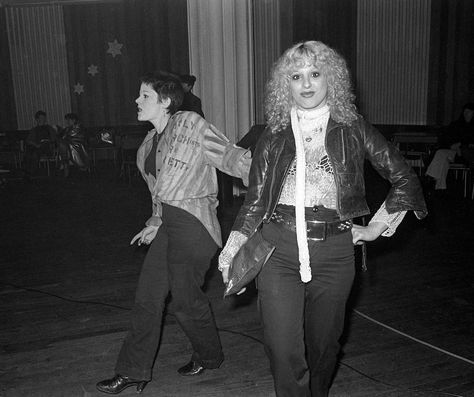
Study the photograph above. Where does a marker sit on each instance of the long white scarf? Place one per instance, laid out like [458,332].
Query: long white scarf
[301,235]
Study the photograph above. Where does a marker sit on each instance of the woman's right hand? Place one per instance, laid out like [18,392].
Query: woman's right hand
[224,265]
[225,275]
[234,243]
[146,235]
[224,261]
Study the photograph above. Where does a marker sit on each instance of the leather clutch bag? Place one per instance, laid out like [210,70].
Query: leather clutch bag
[248,262]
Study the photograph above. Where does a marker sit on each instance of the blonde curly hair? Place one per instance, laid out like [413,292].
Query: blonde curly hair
[340,99]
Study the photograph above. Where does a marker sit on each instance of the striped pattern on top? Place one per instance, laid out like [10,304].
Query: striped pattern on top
[186,160]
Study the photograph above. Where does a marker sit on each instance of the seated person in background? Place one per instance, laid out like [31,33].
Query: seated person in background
[465,126]
[72,149]
[40,141]
[460,136]
[191,102]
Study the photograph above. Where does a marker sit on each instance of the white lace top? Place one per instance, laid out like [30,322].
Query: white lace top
[320,185]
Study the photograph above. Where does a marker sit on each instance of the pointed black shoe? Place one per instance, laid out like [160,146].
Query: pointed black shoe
[119,383]
[191,369]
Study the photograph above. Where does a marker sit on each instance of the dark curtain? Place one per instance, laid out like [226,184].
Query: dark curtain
[451,82]
[154,37]
[7,97]
[451,73]
[334,22]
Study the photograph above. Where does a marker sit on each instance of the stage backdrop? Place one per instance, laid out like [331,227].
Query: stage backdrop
[412,60]
[109,46]
[87,58]
[38,62]
[7,105]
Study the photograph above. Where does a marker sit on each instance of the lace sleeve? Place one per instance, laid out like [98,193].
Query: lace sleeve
[391,220]
[234,242]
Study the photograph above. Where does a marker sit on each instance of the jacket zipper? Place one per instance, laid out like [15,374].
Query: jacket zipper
[338,201]
[343,148]
[279,192]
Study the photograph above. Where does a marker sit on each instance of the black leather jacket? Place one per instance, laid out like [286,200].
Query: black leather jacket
[347,148]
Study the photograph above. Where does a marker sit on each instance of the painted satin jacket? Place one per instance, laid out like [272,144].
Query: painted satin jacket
[189,151]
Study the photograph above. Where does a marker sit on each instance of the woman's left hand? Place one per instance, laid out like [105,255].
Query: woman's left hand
[146,235]
[361,234]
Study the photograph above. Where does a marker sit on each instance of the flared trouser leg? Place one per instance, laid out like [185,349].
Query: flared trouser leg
[139,348]
[190,304]
[303,321]
[177,262]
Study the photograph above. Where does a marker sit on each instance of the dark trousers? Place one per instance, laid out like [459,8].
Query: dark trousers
[177,262]
[32,157]
[303,322]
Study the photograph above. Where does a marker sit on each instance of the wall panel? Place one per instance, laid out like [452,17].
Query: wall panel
[38,62]
[393,44]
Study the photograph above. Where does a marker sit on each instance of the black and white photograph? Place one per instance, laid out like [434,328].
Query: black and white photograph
[246,198]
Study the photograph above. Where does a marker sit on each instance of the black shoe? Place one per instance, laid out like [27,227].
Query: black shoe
[190,369]
[119,383]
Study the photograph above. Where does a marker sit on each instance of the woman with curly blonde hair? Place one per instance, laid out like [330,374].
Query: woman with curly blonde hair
[306,184]
[340,98]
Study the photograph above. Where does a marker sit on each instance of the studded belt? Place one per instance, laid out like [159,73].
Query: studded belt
[316,230]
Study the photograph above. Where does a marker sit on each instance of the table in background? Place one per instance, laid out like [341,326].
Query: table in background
[415,159]
[465,172]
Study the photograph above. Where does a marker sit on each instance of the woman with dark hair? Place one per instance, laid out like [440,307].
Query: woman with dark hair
[72,150]
[463,127]
[41,140]
[306,184]
[455,145]
[178,161]
[462,131]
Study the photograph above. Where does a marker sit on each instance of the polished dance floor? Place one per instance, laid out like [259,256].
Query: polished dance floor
[68,275]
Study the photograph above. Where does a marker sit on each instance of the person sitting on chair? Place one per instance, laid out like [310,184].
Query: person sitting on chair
[40,141]
[72,149]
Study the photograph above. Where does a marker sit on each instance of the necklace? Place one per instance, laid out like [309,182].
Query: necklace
[314,131]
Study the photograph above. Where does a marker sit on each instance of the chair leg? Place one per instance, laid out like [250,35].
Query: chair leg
[471,185]
[465,183]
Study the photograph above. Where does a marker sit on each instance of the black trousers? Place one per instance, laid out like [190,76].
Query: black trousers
[177,262]
[303,321]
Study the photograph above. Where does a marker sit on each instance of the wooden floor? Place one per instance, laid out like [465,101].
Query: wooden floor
[68,274]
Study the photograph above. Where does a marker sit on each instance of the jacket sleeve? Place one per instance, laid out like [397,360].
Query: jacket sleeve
[406,192]
[224,155]
[253,209]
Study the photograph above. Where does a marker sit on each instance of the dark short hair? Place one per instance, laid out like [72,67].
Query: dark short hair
[72,116]
[188,79]
[165,86]
[40,113]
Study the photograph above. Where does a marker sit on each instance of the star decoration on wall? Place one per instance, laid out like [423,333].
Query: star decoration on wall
[92,70]
[78,88]
[115,48]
